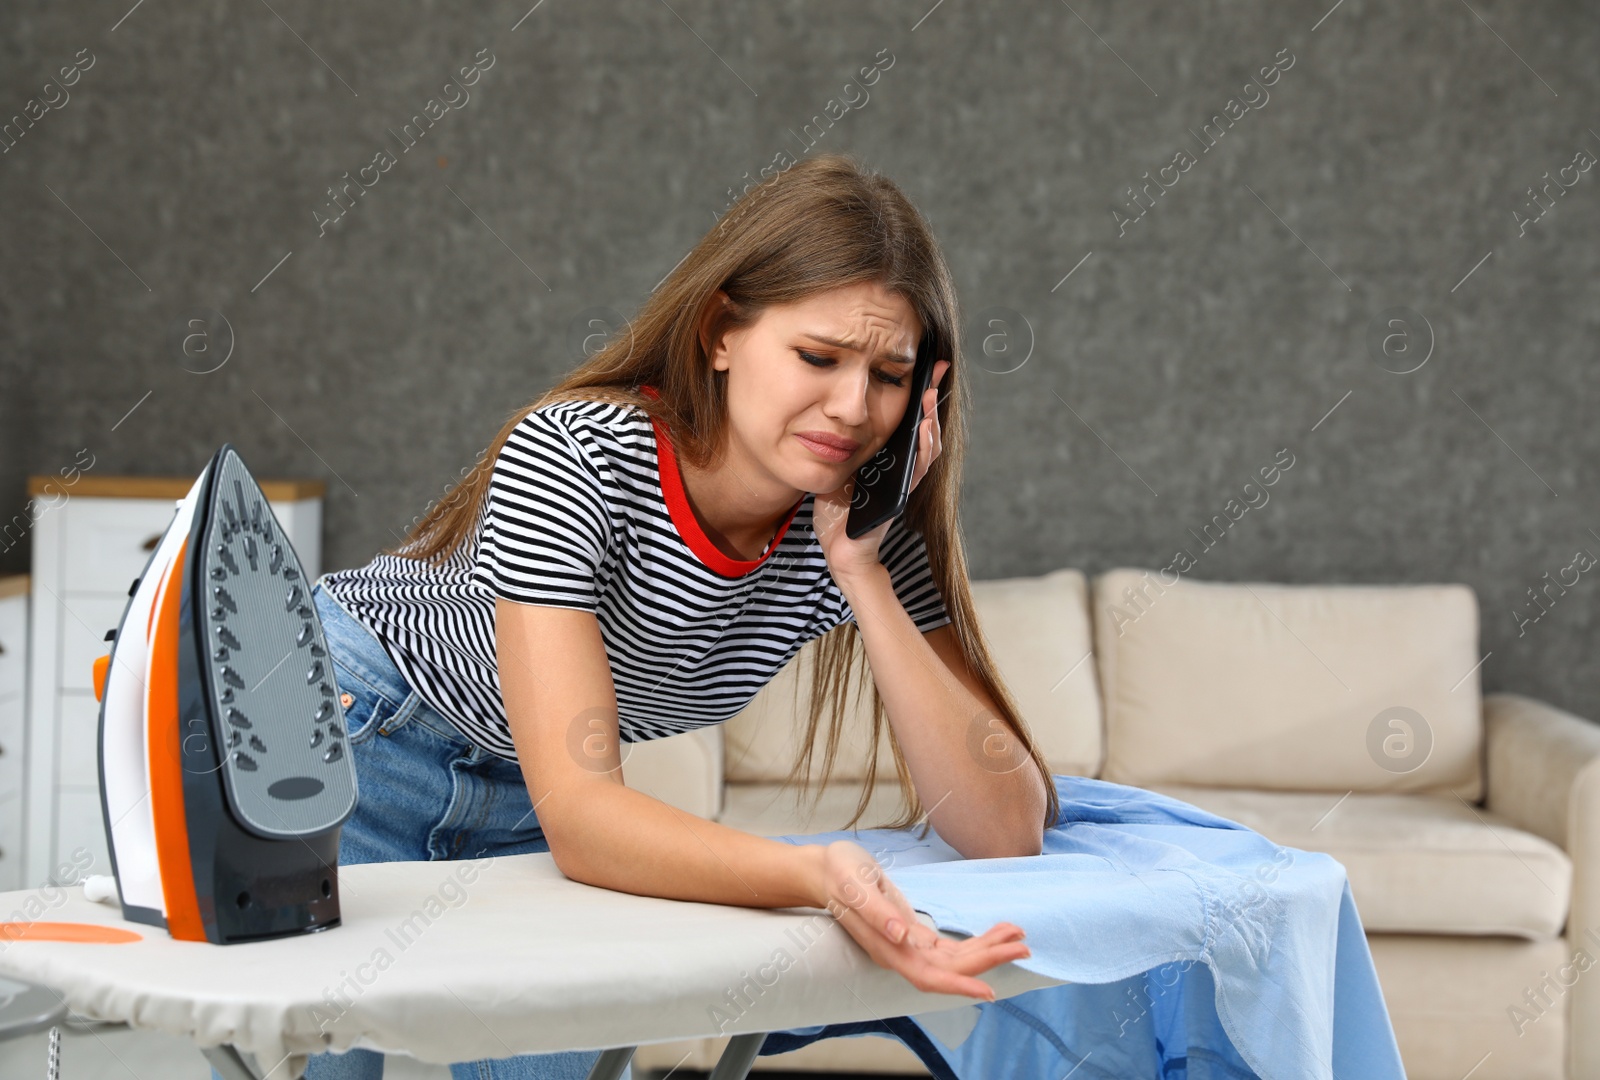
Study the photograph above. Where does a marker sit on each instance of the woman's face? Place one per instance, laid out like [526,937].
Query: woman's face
[816,388]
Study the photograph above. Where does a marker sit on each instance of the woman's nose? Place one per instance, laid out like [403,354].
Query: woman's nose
[847,400]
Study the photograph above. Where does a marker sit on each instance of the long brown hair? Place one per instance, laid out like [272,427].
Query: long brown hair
[821,224]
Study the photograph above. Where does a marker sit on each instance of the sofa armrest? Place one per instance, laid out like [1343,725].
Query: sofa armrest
[1544,771]
[683,770]
[1544,776]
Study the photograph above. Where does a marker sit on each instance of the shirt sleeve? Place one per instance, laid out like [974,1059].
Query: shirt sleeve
[906,557]
[546,525]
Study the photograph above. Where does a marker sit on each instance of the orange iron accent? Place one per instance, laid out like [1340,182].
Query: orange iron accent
[166,766]
[91,933]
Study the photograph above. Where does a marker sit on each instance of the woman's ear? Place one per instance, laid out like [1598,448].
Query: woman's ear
[709,327]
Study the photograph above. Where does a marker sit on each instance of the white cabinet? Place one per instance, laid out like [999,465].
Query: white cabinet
[13,715]
[87,551]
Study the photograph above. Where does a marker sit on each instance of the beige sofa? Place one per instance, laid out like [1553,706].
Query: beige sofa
[1336,718]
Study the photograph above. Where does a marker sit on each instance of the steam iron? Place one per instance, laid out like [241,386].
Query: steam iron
[224,770]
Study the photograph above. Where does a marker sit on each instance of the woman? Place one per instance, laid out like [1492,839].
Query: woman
[648,544]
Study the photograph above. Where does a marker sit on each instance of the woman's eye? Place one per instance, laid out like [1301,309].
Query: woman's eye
[823,361]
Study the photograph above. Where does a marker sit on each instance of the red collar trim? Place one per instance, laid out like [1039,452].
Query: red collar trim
[683,518]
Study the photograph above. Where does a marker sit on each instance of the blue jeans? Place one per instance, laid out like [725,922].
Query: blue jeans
[426,792]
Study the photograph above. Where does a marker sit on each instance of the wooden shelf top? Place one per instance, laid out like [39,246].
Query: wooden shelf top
[163,487]
[14,585]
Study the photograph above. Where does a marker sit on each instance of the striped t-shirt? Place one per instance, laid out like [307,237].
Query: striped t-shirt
[580,512]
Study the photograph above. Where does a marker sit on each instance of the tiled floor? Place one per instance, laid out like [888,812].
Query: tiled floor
[117,1052]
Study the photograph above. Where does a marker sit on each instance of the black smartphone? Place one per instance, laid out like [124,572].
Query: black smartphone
[884,482]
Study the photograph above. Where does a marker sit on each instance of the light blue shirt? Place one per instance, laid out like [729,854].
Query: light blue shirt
[1191,945]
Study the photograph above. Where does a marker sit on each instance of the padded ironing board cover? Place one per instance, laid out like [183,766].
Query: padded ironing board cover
[1181,936]
[468,959]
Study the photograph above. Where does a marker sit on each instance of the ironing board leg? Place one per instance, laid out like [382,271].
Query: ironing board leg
[735,1062]
[611,1062]
[229,1062]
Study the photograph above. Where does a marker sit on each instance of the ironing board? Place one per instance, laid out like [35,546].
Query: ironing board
[488,958]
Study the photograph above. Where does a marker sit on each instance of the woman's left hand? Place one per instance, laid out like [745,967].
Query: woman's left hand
[846,557]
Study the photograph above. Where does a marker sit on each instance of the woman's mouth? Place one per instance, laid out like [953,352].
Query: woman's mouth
[833,448]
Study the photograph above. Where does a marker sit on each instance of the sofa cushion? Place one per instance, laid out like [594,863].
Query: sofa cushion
[1039,635]
[1289,687]
[682,770]
[1431,864]
[1487,1008]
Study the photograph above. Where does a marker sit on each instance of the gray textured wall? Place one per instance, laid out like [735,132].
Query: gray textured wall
[1386,168]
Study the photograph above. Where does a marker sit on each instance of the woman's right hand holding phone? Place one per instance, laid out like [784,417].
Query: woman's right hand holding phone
[873,911]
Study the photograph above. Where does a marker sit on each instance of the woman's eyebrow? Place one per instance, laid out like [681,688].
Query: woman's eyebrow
[893,358]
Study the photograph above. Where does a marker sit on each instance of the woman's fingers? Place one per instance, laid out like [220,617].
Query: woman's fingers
[934,963]
[928,442]
[937,982]
[1002,936]
[935,970]
[887,908]
[992,956]
[986,950]
[873,911]
[955,972]
[938,969]
[967,960]
[1001,932]
[893,912]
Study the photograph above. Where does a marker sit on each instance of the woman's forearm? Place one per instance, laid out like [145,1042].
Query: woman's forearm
[971,772]
[606,834]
